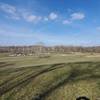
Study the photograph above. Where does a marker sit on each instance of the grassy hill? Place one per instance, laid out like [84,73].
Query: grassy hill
[59,77]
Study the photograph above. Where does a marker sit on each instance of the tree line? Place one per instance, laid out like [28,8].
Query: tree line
[47,49]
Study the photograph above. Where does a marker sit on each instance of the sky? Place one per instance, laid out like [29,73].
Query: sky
[52,22]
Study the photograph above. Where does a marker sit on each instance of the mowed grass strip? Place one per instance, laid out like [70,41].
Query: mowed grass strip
[25,78]
[51,82]
[11,73]
[82,82]
[40,84]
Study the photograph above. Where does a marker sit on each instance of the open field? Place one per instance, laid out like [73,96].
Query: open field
[58,77]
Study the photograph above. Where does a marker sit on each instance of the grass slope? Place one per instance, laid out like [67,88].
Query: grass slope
[55,78]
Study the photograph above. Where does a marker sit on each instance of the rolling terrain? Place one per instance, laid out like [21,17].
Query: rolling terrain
[58,77]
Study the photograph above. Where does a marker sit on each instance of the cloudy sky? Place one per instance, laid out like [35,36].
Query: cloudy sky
[53,22]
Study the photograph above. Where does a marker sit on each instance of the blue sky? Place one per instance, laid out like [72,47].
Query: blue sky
[53,22]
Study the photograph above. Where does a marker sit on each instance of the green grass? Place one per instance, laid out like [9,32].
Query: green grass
[59,77]
[23,61]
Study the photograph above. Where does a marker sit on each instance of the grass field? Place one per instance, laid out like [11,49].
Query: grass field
[59,77]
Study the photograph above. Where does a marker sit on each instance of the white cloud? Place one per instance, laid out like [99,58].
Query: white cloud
[31,17]
[8,8]
[15,13]
[11,10]
[53,16]
[74,17]
[67,22]
[77,16]
[26,15]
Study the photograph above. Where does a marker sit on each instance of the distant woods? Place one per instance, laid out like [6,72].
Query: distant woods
[37,49]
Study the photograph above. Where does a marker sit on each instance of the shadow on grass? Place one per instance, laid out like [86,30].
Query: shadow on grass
[7,87]
[76,74]
[5,64]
